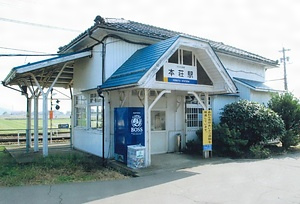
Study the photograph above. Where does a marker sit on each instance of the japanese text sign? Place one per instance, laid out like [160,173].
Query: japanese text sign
[180,74]
[207,130]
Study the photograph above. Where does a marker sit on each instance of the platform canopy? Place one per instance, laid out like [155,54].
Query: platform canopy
[40,77]
[46,71]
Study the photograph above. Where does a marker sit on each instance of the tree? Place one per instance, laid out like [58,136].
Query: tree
[256,123]
[288,107]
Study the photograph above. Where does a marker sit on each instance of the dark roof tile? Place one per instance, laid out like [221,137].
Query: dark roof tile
[150,31]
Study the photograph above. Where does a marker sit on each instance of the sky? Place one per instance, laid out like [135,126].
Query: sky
[260,26]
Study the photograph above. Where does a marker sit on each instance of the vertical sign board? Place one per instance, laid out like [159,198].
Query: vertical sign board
[207,130]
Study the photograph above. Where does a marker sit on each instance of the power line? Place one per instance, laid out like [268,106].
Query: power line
[16,49]
[38,25]
[27,55]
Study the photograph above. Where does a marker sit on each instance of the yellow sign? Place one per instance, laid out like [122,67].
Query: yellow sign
[207,130]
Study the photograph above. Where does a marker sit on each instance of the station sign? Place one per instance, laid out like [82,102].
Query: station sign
[183,74]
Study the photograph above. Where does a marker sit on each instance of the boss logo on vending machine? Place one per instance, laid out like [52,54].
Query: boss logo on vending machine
[136,124]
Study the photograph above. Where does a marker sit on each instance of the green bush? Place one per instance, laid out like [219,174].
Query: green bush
[228,142]
[290,138]
[258,151]
[256,123]
[288,108]
[193,147]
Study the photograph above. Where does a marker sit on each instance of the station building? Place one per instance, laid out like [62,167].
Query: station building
[157,81]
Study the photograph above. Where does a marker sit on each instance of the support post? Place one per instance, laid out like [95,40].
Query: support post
[45,107]
[71,117]
[36,124]
[147,130]
[148,122]
[28,124]
[45,124]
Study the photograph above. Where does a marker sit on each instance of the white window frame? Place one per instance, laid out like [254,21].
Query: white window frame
[95,101]
[80,111]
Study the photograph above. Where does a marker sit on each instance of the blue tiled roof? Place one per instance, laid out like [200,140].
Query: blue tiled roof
[138,64]
[254,84]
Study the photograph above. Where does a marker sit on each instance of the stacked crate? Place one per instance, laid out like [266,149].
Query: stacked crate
[135,156]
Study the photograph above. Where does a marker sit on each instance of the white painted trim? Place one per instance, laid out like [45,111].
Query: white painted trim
[147,80]
[52,61]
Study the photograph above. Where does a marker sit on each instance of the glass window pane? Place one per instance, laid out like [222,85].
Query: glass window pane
[187,57]
[96,116]
[158,120]
[174,58]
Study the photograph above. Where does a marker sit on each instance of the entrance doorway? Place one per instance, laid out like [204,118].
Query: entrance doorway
[159,140]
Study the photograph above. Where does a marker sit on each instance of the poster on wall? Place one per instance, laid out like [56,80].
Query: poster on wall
[183,74]
[207,130]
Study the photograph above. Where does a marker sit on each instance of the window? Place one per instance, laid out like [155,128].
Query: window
[194,117]
[174,58]
[187,57]
[95,108]
[184,57]
[158,121]
[160,74]
[203,78]
[80,111]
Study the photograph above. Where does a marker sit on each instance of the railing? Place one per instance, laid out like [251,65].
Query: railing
[19,135]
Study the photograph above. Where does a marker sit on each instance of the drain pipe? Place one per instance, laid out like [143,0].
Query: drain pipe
[103,51]
[103,122]
[100,91]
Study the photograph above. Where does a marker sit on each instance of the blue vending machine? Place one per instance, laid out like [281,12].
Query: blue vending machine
[129,130]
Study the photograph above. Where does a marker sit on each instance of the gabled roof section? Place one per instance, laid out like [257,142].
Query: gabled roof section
[135,28]
[137,65]
[255,85]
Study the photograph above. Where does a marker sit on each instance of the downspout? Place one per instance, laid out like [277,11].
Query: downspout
[103,122]
[103,52]
[100,91]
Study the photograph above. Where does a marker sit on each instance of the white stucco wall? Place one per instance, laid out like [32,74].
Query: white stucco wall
[241,68]
[88,72]
[90,141]
[218,102]
[261,97]
[117,52]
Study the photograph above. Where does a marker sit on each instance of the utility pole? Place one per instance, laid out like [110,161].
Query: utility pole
[284,59]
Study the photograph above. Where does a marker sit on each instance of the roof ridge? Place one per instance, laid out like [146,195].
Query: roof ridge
[151,31]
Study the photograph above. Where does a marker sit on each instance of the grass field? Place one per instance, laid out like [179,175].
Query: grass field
[13,125]
[57,168]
